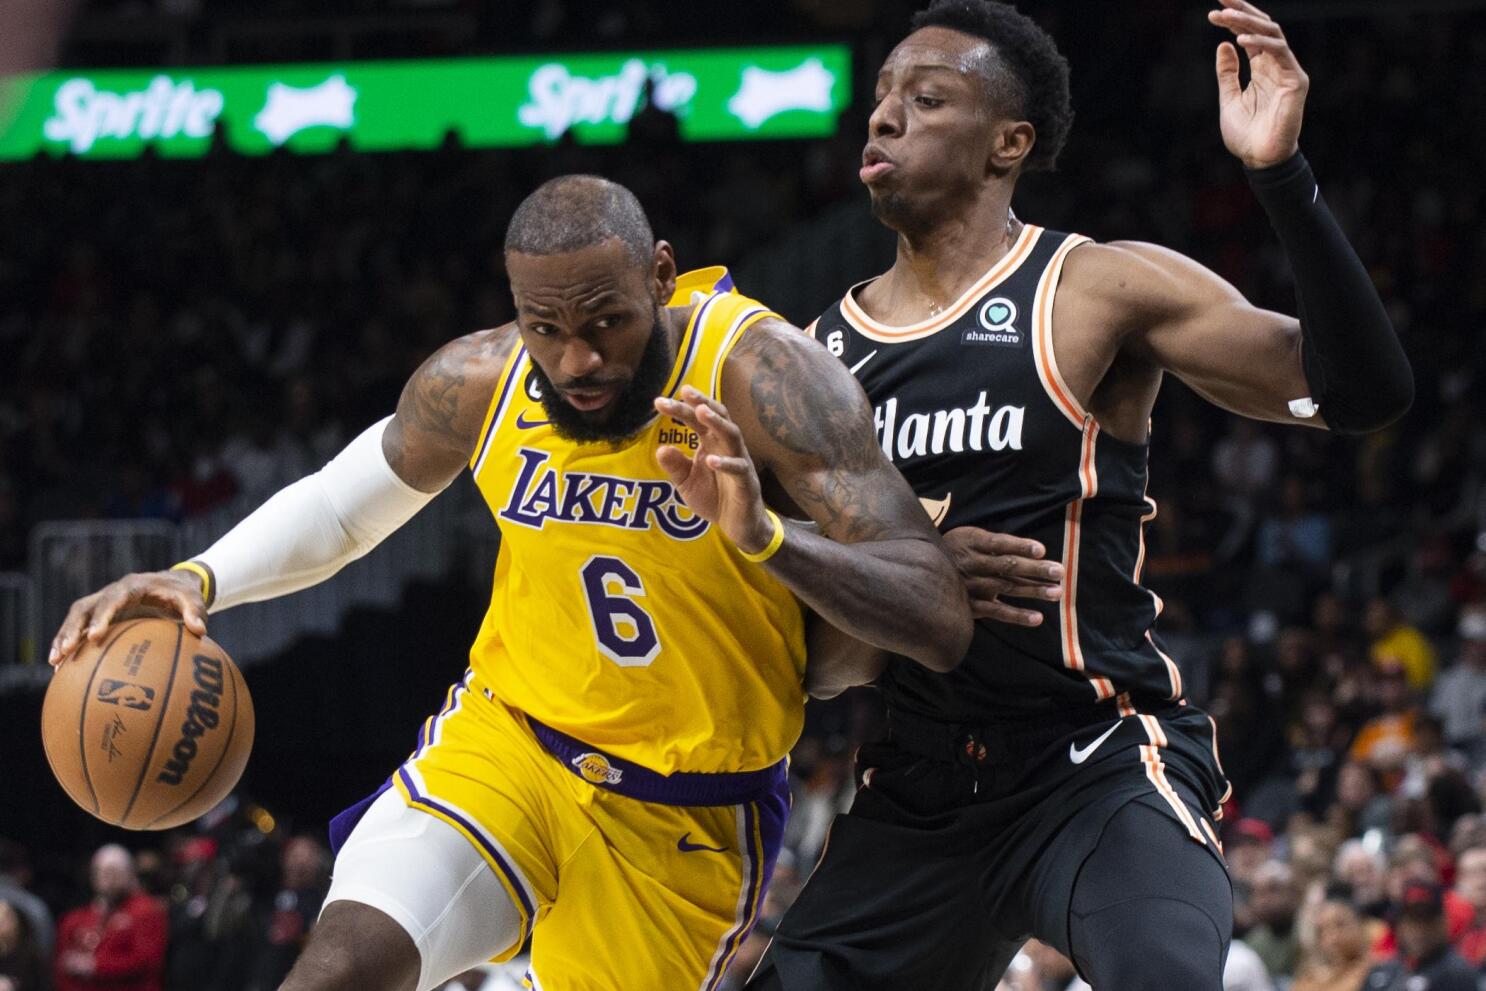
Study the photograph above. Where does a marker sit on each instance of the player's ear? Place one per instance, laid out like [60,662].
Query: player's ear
[663,272]
[1010,145]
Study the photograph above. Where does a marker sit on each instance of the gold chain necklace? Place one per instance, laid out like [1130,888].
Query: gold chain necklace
[935,307]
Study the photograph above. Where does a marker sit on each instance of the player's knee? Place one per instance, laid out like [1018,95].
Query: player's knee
[355,947]
[1151,944]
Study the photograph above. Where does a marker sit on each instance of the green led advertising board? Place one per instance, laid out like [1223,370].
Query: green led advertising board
[513,101]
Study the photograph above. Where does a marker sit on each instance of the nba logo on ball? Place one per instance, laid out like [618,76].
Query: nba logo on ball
[996,324]
[596,769]
[126,694]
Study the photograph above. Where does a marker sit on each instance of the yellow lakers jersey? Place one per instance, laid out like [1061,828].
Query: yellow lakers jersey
[618,616]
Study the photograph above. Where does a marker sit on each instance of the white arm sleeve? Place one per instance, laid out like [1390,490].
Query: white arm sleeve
[310,530]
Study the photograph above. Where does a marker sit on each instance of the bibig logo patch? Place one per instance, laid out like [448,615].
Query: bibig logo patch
[995,324]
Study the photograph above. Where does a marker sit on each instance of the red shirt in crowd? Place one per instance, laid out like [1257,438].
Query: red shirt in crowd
[121,949]
[1471,944]
[1459,916]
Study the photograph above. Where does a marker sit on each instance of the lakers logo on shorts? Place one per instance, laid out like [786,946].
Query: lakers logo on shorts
[596,769]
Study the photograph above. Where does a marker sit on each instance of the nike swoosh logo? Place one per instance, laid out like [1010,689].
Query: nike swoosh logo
[1080,754]
[858,366]
[685,846]
[522,423]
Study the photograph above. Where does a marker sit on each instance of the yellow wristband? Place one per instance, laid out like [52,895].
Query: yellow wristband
[201,572]
[775,542]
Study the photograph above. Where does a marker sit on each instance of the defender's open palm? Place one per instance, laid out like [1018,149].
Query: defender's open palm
[719,483]
[1260,121]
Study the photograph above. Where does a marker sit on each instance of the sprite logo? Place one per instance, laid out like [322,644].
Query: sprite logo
[559,99]
[763,92]
[164,109]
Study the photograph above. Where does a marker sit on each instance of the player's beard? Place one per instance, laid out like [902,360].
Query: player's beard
[900,213]
[915,211]
[630,411]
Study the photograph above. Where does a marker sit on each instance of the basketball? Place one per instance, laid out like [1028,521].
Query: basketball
[150,728]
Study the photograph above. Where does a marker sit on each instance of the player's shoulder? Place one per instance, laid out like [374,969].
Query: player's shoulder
[772,341]
[451,391]
[1113,267]
[1131,276]
[474,362]
[479,354]
[787,385]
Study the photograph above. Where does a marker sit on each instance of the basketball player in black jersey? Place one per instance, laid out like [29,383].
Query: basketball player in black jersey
[1056,784]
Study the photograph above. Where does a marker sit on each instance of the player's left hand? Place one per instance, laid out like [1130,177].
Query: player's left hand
[1260,122]
[999,566]
[719,483]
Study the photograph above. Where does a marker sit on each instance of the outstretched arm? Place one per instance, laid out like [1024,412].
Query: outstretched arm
[1342,356]
[876,569]
[311,529]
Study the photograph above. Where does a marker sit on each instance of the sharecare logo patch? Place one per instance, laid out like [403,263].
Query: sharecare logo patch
[995,324]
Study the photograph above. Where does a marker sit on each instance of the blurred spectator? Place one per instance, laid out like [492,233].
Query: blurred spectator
[1244,970]
[1385,741]
[1360,806]
[22,964]
[1275,902]
[211,920]
[1317,741]
[304,879]
[822,789]
[1248,845]
[1459,696]
[1246,461]
[15,875]
[1039,967]
[1296,536]
[1363,872]
[116,941]
[1416,861]
[1394,642]
[1470,886]
[1426,961]
[1338,959]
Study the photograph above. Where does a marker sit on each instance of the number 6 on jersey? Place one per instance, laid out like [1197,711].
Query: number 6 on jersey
[625,632]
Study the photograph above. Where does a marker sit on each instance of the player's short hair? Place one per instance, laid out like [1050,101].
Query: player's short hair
[573,212]
[1029,76]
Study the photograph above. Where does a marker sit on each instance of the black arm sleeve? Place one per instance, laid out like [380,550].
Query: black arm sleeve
[1356,368]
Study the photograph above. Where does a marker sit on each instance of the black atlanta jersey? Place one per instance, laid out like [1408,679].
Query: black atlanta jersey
[970,406]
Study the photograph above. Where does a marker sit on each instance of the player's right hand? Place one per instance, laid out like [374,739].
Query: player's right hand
[998,566]
[176,594]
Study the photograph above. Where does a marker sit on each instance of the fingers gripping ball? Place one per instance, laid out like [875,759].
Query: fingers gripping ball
[150,728]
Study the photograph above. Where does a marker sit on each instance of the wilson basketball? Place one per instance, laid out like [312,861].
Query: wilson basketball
[149,728]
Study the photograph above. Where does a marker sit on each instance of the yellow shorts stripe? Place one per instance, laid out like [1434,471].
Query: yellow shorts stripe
[749,899]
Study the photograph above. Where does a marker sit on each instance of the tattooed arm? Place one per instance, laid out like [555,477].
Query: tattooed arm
[311,529]
[439,415]
[876,569]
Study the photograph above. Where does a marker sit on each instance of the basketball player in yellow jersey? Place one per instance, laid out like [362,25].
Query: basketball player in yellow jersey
[609,777]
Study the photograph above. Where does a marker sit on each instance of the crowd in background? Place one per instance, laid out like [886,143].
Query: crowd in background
[177,335]
[225,907]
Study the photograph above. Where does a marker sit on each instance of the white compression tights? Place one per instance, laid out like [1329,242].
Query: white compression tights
[431,881]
